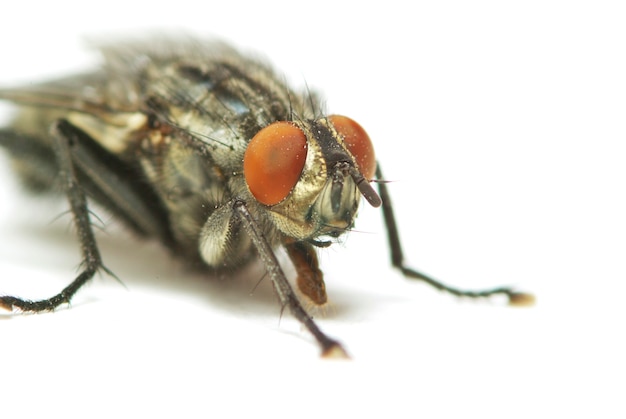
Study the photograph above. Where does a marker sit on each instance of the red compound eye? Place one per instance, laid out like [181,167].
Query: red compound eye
[274,161]
[358,143]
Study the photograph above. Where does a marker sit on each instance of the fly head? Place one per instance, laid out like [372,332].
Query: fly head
[311,174]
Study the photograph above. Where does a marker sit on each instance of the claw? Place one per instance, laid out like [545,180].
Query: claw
[521,299]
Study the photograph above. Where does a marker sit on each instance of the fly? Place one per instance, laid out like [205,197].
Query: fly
[208,151]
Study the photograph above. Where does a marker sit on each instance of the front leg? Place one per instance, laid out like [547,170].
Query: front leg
[397,259]
[64,135]
[288,298]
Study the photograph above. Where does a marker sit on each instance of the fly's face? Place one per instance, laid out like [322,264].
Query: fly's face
[311,174]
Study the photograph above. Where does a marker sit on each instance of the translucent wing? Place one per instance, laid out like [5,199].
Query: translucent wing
[89,93]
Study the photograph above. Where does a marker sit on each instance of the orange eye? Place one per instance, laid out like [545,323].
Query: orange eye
[358,143]
[274,161]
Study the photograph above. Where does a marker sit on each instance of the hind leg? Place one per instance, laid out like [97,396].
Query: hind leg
[63,135]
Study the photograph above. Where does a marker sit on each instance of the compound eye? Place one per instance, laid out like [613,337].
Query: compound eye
[273,161]
[357,142]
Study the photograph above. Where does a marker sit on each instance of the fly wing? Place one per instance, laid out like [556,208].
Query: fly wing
[87,93]
[117,86]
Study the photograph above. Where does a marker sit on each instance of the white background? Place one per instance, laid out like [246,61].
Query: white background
[503,128]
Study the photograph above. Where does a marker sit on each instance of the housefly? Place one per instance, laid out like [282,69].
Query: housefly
[208,151]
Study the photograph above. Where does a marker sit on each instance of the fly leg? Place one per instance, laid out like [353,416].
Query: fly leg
[64,135]
[288,298]
[516,298]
